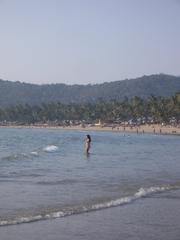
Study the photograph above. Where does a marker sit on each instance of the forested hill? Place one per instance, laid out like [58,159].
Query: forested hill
[14,93]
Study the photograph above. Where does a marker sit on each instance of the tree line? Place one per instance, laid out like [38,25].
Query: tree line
[156,109]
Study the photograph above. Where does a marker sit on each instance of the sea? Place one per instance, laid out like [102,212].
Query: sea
[45,173]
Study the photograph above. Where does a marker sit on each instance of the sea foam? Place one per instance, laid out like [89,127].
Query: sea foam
[50,148]
[142,192]
[34,153]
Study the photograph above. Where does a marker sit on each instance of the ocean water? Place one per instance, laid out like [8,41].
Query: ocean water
[45,173]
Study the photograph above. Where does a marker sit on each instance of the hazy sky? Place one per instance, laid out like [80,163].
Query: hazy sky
[88,41]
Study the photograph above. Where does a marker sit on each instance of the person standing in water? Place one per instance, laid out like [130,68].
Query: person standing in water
[88,143]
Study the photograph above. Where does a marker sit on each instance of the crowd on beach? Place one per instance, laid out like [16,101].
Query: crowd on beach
[134,128]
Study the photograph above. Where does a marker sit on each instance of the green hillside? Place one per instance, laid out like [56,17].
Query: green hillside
[14,93]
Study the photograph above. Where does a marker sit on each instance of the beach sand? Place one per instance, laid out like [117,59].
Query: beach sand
[152,129]
[152,218]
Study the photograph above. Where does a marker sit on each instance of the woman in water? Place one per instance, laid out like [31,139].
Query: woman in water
[88,143]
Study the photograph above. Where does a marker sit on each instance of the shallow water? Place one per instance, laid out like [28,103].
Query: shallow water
[44,173]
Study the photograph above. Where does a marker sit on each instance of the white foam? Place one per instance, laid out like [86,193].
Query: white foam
[34,153]
[50,148]
[142,192]
[112,203]
[56,214]
[21,220]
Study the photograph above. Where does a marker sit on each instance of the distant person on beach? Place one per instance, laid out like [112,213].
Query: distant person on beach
[88,143]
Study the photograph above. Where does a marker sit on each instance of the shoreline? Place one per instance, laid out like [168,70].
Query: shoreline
[156,217]
[141,129]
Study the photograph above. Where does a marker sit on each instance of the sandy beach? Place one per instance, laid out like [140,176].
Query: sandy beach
[154,129]
[141,129]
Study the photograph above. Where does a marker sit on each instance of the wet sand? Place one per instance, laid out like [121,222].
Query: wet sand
[152,218]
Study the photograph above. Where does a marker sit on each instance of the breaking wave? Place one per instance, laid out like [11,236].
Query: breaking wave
[22,156]
[142,192]
[18,156]
[50,148]
[34,153]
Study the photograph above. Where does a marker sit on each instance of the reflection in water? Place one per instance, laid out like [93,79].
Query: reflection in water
[87,154]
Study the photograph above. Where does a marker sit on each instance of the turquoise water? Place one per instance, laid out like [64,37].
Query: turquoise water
[44,173]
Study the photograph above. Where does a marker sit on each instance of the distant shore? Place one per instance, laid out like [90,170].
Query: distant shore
[141,129]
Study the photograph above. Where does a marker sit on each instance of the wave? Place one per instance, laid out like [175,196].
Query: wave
[50,148]
[58,182]
[22,156]
[34,153]
[18,156]
[142,192]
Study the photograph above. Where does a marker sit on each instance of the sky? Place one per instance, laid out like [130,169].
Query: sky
[88,41]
